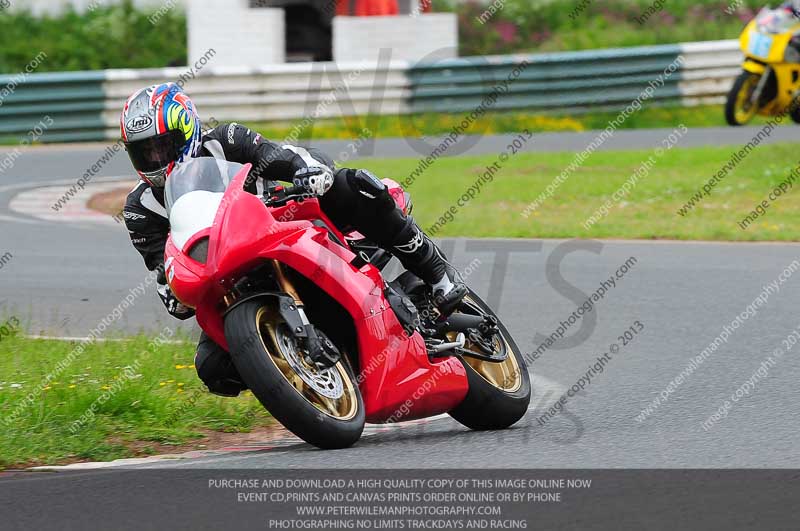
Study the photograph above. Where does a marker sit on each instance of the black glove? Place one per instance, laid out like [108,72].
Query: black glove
[173,305]
[316,179]
[171,302]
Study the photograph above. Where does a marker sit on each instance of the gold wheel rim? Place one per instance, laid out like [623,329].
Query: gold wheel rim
[341,408]
[744,110]
[503,375]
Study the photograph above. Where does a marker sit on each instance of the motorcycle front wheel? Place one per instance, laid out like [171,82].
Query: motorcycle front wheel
[499,392]
[322,407]
[739,109]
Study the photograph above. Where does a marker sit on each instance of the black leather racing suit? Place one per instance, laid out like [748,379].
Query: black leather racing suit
[356,199]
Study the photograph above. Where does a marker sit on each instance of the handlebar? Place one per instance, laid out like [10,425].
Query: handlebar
[280,195]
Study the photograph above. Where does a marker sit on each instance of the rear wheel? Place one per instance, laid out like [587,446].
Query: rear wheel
[324,408]
[499,392]
[794,112]
[739,109]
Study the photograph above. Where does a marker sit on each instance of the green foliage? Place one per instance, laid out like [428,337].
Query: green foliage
[118,36]
[121,36]
[546,25]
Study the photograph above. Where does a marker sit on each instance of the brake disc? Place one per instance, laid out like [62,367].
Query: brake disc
[327,383]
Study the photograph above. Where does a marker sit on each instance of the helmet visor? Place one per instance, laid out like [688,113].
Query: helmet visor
[156,152]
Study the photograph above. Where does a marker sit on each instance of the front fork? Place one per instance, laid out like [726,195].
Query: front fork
[755,97]
[320,349]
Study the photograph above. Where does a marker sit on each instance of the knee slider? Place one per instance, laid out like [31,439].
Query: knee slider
[365,183]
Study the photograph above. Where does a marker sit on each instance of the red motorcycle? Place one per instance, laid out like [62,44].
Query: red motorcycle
[320,337]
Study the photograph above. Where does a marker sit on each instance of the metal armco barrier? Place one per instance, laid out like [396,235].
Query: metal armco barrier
[86,105]
[73,100]
[577,81]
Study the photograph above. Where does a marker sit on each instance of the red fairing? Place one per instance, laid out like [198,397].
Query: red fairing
[397,193]
[397,379]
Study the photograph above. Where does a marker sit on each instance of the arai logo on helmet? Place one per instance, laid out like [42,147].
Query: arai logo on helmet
[138,124]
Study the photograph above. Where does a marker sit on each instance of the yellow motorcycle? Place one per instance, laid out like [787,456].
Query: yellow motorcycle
[770,79]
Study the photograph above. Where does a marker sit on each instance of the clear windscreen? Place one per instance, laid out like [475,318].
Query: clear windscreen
[775,20]
[199,174]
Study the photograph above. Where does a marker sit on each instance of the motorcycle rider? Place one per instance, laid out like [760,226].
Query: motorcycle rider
[161,128]
[793,6]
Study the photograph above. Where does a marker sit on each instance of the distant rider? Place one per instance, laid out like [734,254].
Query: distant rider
[793,6]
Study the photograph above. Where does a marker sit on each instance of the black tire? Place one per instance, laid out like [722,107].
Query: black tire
[252,357]
[794,113]
[733,94]
[486,406]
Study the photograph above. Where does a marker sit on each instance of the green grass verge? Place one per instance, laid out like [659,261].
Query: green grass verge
[159,404]
[432,124]
[648,211]
[501,122]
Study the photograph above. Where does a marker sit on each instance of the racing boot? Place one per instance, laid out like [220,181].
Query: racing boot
[422,257]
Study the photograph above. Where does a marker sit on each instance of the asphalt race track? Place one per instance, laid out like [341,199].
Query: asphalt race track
[65,277]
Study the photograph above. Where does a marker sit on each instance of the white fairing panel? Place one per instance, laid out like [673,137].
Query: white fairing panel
[192,213]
